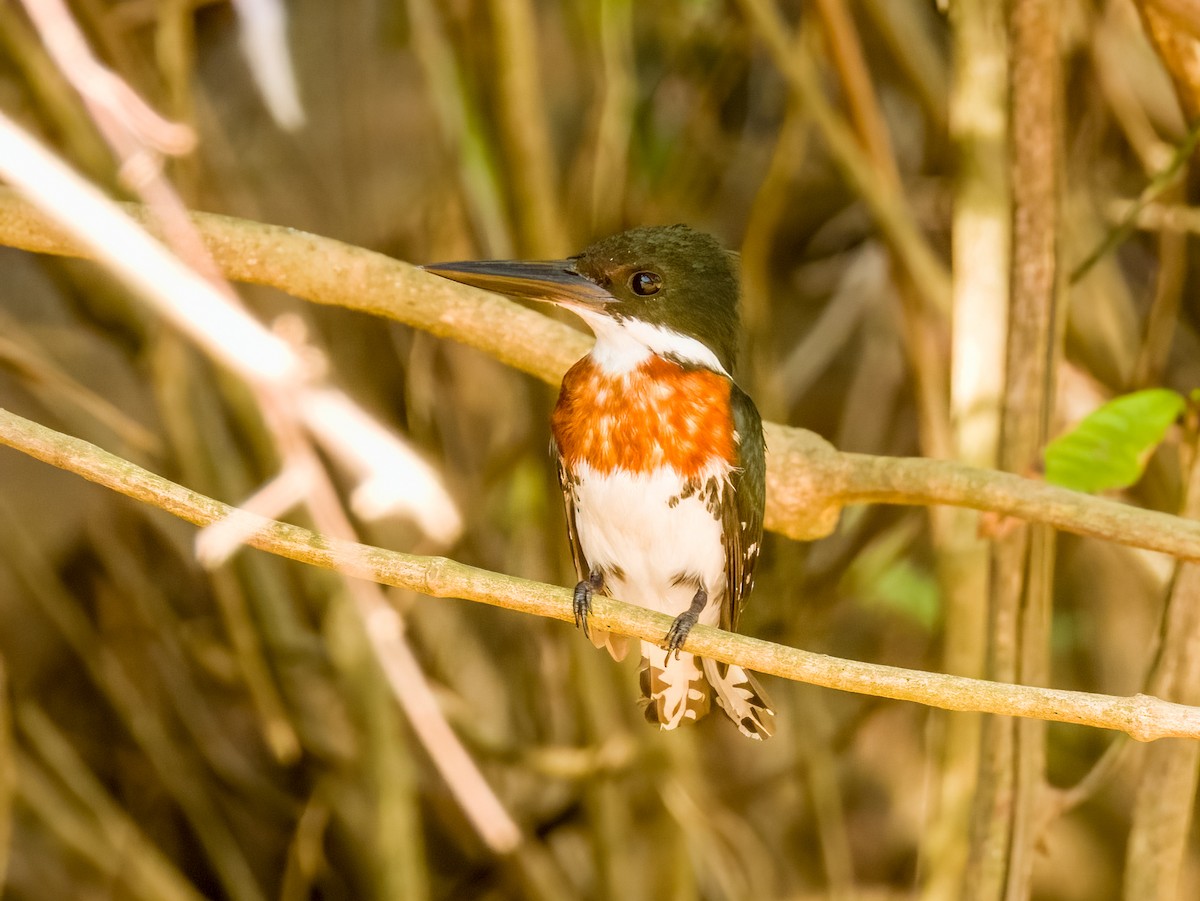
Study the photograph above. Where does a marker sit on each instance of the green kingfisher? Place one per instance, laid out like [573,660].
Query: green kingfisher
[660,453]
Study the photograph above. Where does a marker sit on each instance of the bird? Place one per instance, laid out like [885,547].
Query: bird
[661,456]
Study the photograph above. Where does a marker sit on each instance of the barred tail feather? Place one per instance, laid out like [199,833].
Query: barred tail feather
[742,698]
[678,690]
[674,688]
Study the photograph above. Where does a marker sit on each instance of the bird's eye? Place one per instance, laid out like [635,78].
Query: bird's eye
[645,284]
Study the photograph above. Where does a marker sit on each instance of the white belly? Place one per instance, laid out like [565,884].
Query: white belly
[655,546]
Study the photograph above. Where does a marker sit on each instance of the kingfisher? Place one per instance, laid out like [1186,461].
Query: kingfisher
[661,456]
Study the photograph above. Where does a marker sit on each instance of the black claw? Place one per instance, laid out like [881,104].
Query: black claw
[582,603]
[583,606]
[679,630]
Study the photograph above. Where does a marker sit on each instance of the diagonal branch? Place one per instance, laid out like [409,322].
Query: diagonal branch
[808,480]
[1143,717]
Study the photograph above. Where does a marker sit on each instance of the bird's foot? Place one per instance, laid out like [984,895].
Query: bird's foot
[582,603]
[683,623]
[678,632]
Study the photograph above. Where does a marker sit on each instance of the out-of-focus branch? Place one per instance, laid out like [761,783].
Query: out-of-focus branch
[924,324]
[182,296]
[808,480]
[331,272]
[1012,771]
[882,198]
[1156,216]
[284,379]
[980,245]
[1162,808]
[1173,29]
[1132,214]
[459,121]
[521,111]
[1143,717]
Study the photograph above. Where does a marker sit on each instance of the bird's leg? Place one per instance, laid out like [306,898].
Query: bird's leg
[679,630]
[583,598]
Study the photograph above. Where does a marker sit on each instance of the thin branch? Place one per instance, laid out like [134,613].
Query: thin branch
[1143,717]
[908,480]
[1131,217]
[808,480]
[1173,217]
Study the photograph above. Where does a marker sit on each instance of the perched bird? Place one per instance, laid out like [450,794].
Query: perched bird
[660,453]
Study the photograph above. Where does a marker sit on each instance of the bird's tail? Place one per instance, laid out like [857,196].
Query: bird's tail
[616,645]
[742,698]
[673,688]
[679,689]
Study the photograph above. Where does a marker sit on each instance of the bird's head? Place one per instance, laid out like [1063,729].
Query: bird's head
[665,290]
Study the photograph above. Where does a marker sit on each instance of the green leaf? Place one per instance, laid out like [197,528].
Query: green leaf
[909,591]
[884,576]
[1110,447]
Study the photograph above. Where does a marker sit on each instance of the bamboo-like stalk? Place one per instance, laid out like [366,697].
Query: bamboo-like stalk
[1163,806]
[392,835]
[1161,321]
[249,599]
[459,118]
[521,109]
[980,249]
[771,202]
[1012,776]
[614,114]
[1162,813]
[910,34]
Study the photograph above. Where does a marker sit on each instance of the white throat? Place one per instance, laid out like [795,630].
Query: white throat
[622,346]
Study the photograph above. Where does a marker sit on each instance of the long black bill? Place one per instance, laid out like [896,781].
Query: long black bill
[555,281]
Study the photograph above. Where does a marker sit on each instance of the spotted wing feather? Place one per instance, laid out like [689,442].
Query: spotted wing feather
[742,508]
[735,689]
[582,569]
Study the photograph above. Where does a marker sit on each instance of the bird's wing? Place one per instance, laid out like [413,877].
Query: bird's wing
[582,568]
[742,507]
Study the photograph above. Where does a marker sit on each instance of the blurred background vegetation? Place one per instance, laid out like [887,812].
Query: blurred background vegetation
[171,727]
